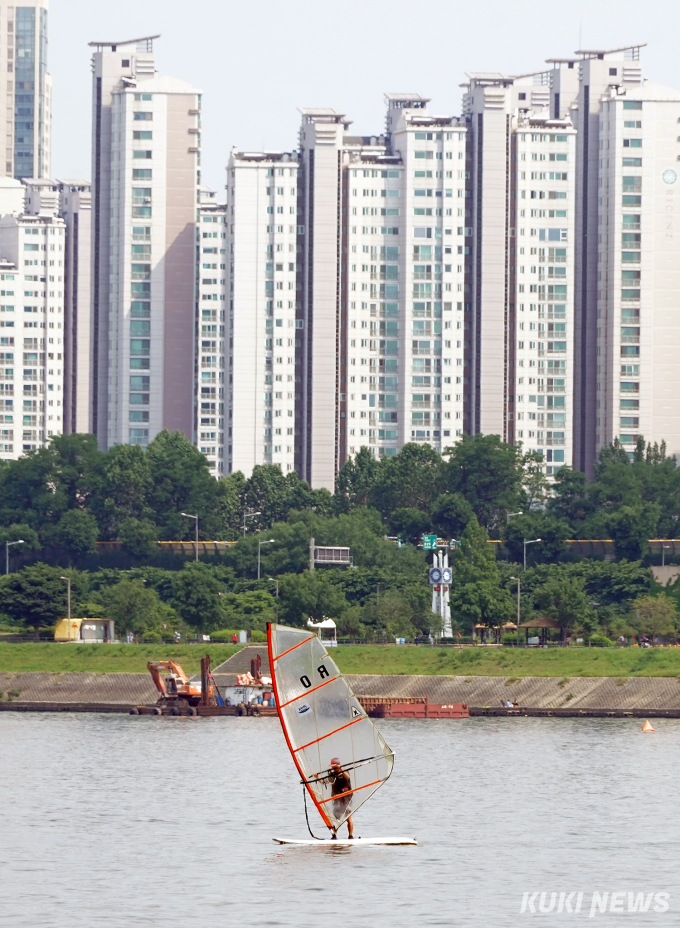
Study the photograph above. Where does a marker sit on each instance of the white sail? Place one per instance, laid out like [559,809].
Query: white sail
[322,720]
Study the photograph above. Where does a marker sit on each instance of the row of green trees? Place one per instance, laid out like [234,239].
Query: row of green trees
[62,499]
[385,594]
[67,496]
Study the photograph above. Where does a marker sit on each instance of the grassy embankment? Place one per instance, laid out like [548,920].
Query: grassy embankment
[560,662]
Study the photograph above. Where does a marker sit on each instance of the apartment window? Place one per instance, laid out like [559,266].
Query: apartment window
[141,154]
[632,124]
[141,173]
[139,415]
[632,143]
[140,328]
[632,162]
[139,436]
[141,96]
[139,346]
[139,136]
[632,104]
[142,116]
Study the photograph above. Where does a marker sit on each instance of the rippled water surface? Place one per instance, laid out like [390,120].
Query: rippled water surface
[111,820]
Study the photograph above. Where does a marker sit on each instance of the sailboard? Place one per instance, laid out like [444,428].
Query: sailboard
[340,755]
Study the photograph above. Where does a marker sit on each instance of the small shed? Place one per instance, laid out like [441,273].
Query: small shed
[95,631]
[326,630]
[541,622]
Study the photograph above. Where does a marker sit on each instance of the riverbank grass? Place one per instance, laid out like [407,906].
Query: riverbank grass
[378,659]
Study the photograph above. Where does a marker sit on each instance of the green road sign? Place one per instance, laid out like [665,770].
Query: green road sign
[429,542]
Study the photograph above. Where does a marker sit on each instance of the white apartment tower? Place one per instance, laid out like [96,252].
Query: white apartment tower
[638,287]
[345,292]
[521,243]
[382,235]
[75,208]
[627,257]
[261,373]
[32,328]
[211,261]
[146,141]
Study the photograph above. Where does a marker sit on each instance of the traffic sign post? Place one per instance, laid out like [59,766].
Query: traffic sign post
[429,542]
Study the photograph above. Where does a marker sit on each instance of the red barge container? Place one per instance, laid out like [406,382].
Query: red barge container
[412,707]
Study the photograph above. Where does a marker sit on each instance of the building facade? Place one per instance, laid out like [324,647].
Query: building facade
[25,123]
[32,331]
[210,336]
[262,363]
[345,290]
[521,235]
[638,286]
[75,208]
[145,199]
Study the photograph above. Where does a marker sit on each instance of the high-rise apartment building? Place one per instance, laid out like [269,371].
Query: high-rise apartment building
[262,376]
[75,208]
[638,284]
[146,142]
[521,243]
[345,289]
[627,258]
[25,120]
[31,327]
[211,392]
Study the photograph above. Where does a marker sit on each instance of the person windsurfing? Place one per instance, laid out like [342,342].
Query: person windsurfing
[341,790]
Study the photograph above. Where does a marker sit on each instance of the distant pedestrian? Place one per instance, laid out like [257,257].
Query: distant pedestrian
[234,638]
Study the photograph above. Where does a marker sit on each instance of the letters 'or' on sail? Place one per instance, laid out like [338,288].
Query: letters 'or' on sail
[322,719]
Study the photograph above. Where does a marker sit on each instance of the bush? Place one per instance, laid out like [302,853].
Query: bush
[257,635]
[224,635]
[601,641]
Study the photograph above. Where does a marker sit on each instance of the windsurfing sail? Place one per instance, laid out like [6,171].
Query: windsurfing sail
[325,726]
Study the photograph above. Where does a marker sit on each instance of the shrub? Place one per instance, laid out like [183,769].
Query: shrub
[224,635]
[257,635]
[601,641]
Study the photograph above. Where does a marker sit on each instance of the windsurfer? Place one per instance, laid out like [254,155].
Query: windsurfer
[341,786]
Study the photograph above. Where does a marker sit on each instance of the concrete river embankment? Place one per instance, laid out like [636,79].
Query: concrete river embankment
[118,692]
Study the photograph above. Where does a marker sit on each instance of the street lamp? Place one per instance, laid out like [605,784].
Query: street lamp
[248,515]
[68,580]
[7,544]
[269,541]
[275,580]
[189,516]
[534,541]
[509,515]
[519,593]
[664,548]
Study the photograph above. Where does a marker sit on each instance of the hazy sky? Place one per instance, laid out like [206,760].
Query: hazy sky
[257,61]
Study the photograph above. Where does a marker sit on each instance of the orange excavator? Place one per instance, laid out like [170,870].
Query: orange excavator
[176,689]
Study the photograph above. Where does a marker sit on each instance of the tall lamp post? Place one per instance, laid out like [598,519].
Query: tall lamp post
[269,541]
[68,580]
[534,541]
[276,581]
[248,515]
[519,593]
[7,546]
[189,516]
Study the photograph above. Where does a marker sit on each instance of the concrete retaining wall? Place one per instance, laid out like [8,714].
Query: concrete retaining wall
[539,692]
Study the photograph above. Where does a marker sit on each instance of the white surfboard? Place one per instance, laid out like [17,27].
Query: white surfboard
[345,842]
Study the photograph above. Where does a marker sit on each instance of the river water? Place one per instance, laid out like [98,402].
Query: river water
[112,820]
